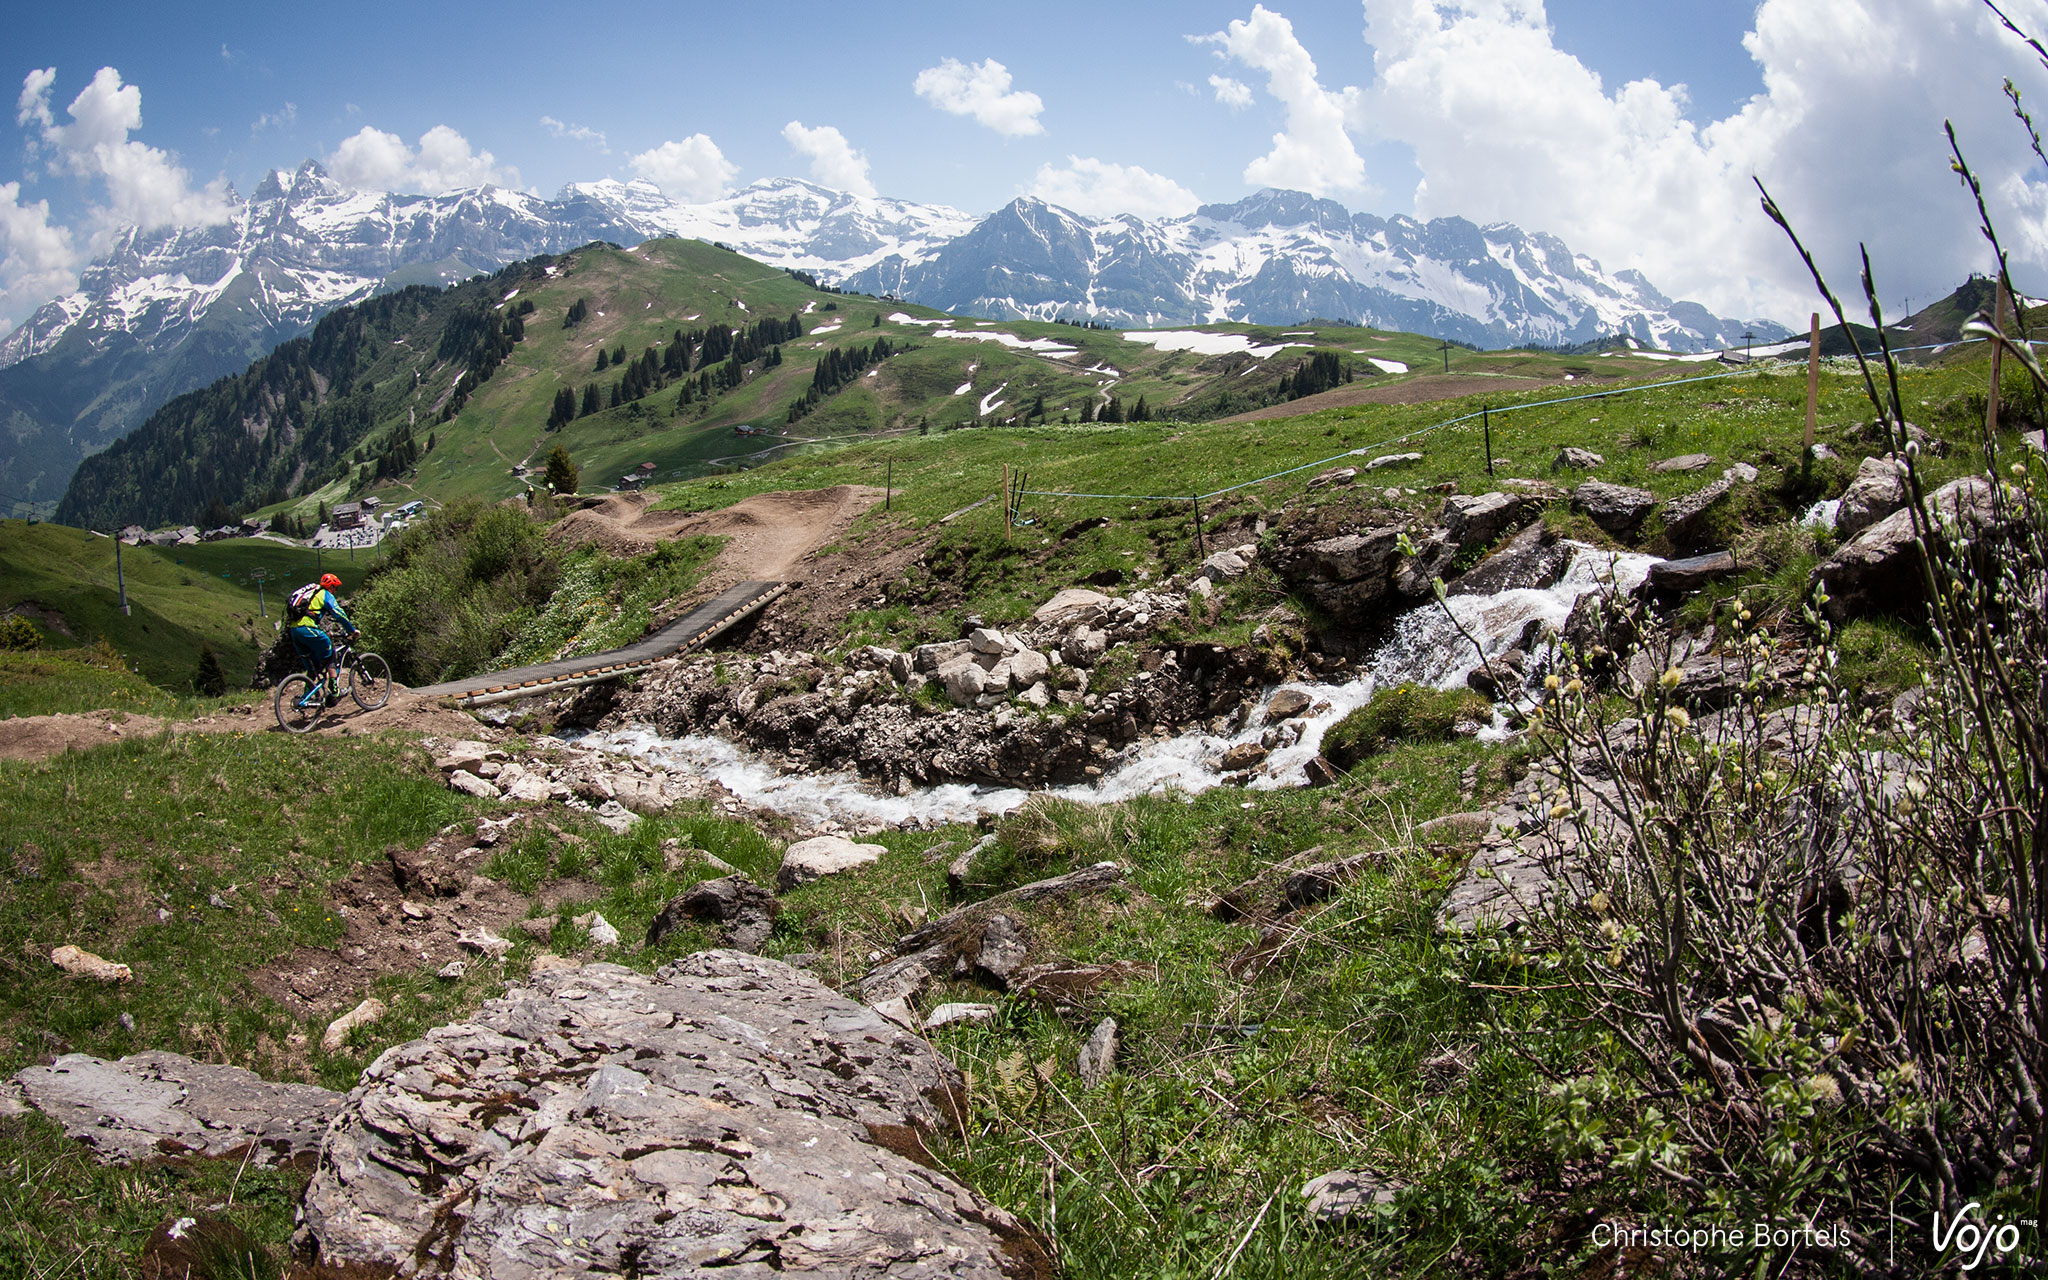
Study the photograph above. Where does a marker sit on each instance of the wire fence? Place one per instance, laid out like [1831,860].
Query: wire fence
[1419,432]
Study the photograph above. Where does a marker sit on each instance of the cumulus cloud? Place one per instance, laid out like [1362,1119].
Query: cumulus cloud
[834,162]
[1235,94]
[1846,133]
[1101,190]
[1314,153]
[576,133]
[143,185]
[693,169]
[37,259]
[375,160]
[981,90]
[126,184]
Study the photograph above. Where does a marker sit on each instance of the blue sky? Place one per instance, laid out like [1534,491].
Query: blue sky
[1492,109]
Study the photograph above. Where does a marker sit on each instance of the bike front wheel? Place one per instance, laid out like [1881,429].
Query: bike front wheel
[372,687]
[299,708]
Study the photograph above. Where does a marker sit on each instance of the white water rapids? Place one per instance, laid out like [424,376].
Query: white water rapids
[1426,648]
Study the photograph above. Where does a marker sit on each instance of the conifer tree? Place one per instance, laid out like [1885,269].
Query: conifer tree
[591,404]
[604,360]
[209,681]
[562,474]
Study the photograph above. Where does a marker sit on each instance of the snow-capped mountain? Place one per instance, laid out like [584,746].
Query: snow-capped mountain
[168,311]
[1280,257]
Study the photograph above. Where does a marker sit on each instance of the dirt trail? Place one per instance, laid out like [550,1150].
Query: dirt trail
[40,737]
[767,533]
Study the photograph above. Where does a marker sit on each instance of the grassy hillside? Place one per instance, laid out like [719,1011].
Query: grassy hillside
[63,580]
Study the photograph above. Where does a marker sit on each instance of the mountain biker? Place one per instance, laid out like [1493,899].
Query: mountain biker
[308,605]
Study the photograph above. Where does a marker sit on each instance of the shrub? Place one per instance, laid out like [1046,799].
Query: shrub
[17,632]
[454,590]
[209,681]
[1409,713]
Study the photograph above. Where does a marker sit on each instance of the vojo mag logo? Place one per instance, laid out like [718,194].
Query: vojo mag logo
[1972,1239]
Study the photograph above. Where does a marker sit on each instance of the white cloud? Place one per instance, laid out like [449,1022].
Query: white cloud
[834,162]
[37,260]
[1234,94]
[981,90]
[1101,190]
[283,118]
[577,133]
[142,185]
[1846,133]
[693,169]
[1314,153]
[375,160]
[34,104]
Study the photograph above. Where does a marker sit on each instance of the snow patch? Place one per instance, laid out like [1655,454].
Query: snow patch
[834,327]
[989,403]
[1043,346]
[899,318]
[1386,366]
[1205,344]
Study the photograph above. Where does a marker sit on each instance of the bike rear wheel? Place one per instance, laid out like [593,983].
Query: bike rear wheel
[298,708]
[372,688]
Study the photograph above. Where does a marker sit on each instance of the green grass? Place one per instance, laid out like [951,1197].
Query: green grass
[178,597]
[41,682]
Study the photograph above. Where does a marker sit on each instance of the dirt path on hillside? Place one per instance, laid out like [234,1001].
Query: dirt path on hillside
[40,737]
[1429,386]
[767,533]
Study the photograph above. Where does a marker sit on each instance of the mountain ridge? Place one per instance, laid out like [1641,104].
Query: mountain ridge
[168,311]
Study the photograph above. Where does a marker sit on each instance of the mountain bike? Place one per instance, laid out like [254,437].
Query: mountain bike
[303,699]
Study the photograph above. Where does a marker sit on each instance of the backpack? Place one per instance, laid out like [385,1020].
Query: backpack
[302,599]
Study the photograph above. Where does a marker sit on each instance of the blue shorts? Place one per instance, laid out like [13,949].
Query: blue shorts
[313,646]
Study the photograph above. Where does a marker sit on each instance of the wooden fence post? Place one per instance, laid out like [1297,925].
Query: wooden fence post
[1812,379]
[1997,355]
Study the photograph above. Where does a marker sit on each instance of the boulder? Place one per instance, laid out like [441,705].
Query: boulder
[948,1014]
[1685,518]
[80,963]
[1879,569]
[1392,460]
[1475,520]
[990,641]
[1674,577]
[1027,667]
[743,911]
[1003,948]
[1617,508]
[1242,756]
[1532,559]
[615,817]
[1222,565]
[1878,490]
[930,658]
[727,1111]
[1286,704]
[1097,1058]
[1684,462]
[1334,477]
[1343,1194]
[822,856]
[470,784]
[1347,576]
[362,1015]
[1071,605]
[963,682]
[157,1104]
[1573,458]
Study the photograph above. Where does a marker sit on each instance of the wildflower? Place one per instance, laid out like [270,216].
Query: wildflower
[1559,810]
[1551,683]
[1678,717]
[1576,686]
[1671,678]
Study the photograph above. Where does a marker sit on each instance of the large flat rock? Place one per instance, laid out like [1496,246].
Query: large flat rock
[728,1111]
[152,1104]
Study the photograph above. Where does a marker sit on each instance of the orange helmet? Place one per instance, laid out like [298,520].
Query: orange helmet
[330,582]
